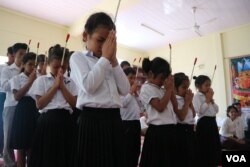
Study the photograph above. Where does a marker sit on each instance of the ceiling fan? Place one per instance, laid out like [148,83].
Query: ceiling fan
[196,26]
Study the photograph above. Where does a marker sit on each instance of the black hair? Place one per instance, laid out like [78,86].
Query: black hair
[230,108]
[236,104]
[125,63]
[10,50]
[41,58]
[18,46]
[156,66]
[201,79]
[98,19]
[56,52]
[129,70]
[179,78]
[28,56]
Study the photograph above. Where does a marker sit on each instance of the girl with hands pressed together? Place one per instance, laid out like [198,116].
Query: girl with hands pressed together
[159,148]
[101,81]
[185,119]
[208,140]
[55,98]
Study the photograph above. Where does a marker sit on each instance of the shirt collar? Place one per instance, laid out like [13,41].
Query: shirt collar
[179,97]
[90,54]
[24,75]
[200,93]
[14,66]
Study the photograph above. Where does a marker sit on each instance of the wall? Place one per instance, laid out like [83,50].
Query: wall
[18,27]
[211,50]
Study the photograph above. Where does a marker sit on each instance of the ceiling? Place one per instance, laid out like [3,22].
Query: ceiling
[161,15]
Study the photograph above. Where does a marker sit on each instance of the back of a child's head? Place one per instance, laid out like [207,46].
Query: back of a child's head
[179,78]
[125,64]
[129,70]
[97,20]
[41,58]
[28,56]
[56,52]
[200,80]
[236,104]
[156,66]
[18,46]
[229,108]
[10,50]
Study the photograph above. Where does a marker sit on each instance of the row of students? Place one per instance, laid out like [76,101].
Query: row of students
[11,59]
[7,73]
[100,133]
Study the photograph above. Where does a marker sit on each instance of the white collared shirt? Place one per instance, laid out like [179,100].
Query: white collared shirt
[202,108]
[43,83]
[150,91]
[130,107]
[1,68]
[189,119]
[7,73]
[99,83]
[231,128]
[18,81]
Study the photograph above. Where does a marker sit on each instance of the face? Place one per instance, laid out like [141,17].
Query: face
[205,86]
[157,80]
[183,88]
[131,78]
[11,58]
[55,65]
[95,40]
[19,56]
[29,66]
[233,114]
[40,65]
[238,108]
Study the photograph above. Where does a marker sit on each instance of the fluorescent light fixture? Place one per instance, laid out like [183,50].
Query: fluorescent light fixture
[152,29]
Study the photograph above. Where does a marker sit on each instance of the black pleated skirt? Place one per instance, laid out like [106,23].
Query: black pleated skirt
[53,140]
[186,144]
[159,148]
[208,142]
[100,139]
[132,139]
[24,123]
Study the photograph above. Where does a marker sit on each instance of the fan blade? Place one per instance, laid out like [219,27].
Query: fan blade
[209,21]
[198,32]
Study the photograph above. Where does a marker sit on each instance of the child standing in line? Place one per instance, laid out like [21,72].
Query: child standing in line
[26,113]
[185,119]
[159,148]
[19,49]
[130,113]
[101,81]
[55,98]
[208,140]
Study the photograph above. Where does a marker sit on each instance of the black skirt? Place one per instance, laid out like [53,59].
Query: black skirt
[24,123]
[208,142]
[53,140]
[100,139]
[186,144]
[159,148]
[132,139]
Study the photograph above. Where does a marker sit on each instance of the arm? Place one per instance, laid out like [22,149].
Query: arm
[199,106]
[43,101]
[121,80]
[18,94]
[5,77]
[224,131]
[126,99]
[71,99]
[160,104]
[86,79]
